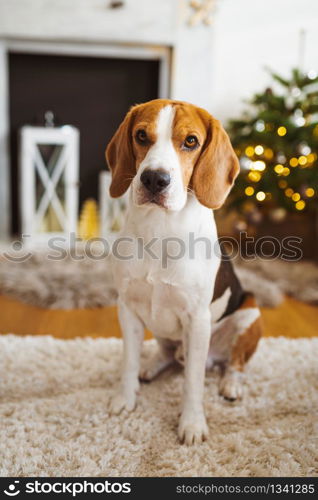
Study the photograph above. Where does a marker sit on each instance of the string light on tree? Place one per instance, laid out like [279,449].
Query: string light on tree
[268,153]
[260,196]
[254,176]
[249,191]
[298,118]
[289,192]
[312,74]
[260,126]
[279,168]
[310,192]
[300,205]
[278,214]
[304,149]
[282,184]
[259,150]
[258,165]
[249,151]
[296,197]
[280,157]
[277,143]
[293,162]
[281,131]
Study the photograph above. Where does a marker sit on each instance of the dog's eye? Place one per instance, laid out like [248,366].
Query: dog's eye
[141,136]
[191,142]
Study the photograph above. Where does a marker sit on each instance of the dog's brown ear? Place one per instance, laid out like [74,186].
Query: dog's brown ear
[120,156]
[217,166]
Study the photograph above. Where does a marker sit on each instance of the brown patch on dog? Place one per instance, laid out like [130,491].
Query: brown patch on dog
[187,121]
[246,343]
[217,167]
[146,119]
[226,278]
[249,301]
[123,154]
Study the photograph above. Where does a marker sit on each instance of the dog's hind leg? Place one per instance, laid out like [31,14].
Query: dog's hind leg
[231,386]
[159,362]
[233,342]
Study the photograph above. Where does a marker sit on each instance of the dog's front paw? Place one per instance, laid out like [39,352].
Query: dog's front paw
[122,401]
[193,429]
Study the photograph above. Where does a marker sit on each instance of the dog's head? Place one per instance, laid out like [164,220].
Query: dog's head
[166,149]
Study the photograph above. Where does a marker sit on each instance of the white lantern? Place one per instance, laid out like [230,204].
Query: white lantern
[112,211]
[49,187]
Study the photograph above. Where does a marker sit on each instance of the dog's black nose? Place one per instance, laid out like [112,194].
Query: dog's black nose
[155,180]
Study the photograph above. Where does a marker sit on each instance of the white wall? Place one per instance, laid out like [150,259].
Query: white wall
[150,22]
[251,34]
[91,20]
[215,67]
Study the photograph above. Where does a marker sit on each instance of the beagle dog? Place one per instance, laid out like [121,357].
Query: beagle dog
[179,165]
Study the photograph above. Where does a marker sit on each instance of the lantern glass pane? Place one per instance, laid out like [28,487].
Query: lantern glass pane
[50,188]
[50,222]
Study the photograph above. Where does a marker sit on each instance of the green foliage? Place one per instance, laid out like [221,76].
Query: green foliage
[284,122]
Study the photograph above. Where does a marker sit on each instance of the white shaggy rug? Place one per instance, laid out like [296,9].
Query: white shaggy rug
[54,419]
[87,282]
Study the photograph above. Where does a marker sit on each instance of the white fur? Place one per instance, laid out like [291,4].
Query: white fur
[231,384]
[163,155]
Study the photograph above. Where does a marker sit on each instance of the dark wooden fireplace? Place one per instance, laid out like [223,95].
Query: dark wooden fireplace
[91,93]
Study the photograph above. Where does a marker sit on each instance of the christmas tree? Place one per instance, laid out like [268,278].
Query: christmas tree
[276,141]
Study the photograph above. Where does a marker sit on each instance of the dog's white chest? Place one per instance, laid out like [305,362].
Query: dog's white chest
[162,307]
[166,292]
[164,299]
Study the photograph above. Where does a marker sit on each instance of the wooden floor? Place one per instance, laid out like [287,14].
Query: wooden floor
[291,319]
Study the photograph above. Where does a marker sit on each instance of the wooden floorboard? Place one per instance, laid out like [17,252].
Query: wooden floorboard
[291,319]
